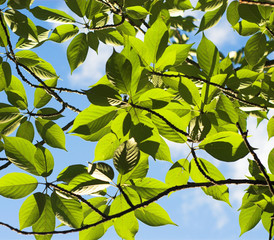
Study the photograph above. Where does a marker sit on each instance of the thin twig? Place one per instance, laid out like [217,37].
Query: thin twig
[189,185]
[270,31]
[257,160]
[125,196]
[163,118]
[227,91]
[5,165]
[260,3]
[78,197]
[17,64]
[200,167]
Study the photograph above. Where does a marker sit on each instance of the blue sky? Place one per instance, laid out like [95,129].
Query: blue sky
[198,216]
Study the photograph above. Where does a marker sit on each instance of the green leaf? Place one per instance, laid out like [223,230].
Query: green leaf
[27,58]
[17,185]
[153,215]
[225,146]
[118,70]
[178,173]
[44,70]
[51,133]
[249,13]
[249,218]
[26,131]
[126,156]
[106,147]
[271,161]
[126,226]
[140,171]
[103,95]
[101,171]
[77,6]
[148,188]
[5,75]
[232,13]
[155,40]
[41,97]
[44,161]
[189,92]
[21,24]
[226,110]
[163,152]
[31,210]
[16,94]
[136,12]
[8,113]
[21,153]
[246,28]
[110,36]
[67,174]
[155,98]
[46,223]
[8,127]
[255,48]
[126,28]
[96,232]
[167,131]
[208,57]
[93,41]
[209,91]
[173,55]
[93,119]
[270,128]
[266,221]
[51,15]
[211,18]
[63,33]
[217,192]
[77,51]
[68,211]
[199,127]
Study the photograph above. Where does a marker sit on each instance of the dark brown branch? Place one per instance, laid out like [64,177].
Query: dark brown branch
[189,185]
[163,118]
[259,3]
[4,159]
[78,197]
[5,165]
[13,58]
[269,63]
[227,91]
[257,160]
[270,31]
[125,196]
[200,167]
[107,26]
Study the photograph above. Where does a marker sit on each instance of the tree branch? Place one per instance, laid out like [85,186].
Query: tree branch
[257,160]
[227,91]
[163,118]
[189,185]
[201,169]
[78,197]
[5,165]
[259,3]
[17,64]
[125,196]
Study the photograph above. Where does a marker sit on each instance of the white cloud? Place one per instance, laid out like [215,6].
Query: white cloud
[92,69]
[201,203]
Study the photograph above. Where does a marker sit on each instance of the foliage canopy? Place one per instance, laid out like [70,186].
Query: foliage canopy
[156,87]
